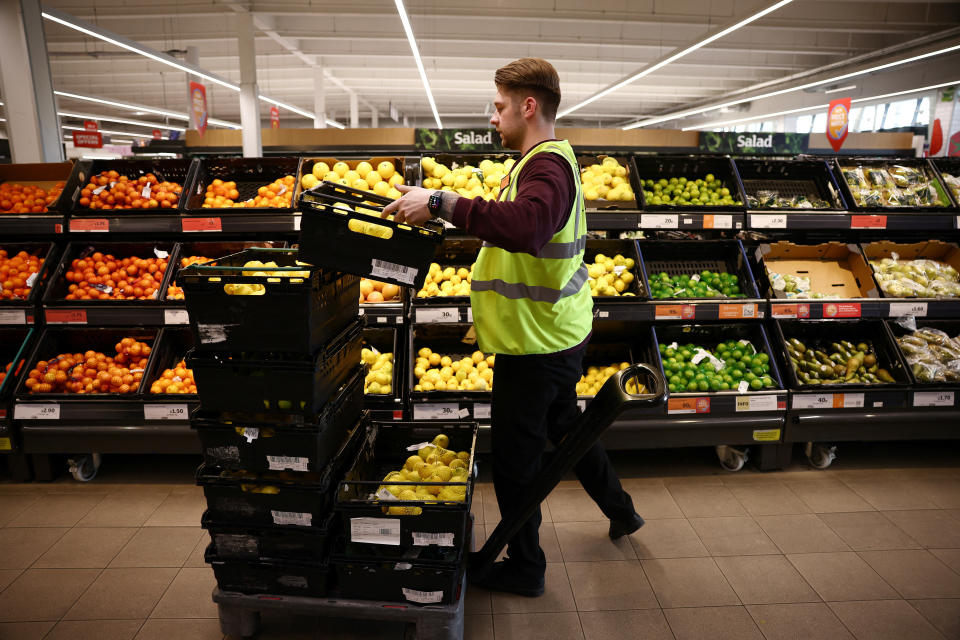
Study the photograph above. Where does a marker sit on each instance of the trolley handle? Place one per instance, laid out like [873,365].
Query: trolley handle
[617,391]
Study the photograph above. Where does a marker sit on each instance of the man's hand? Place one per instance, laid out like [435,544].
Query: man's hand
[411,208]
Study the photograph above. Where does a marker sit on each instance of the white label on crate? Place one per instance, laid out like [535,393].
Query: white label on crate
[402,566]
[743,387]
[481,412]
[36,412]
[422,597]
[288,463]
[32,279]
[659,221]
[375,531]
[469,314]
[160,253]
[437,314]
[420,445]
[296,223]
[768,221]
[853,401]
[757,403]
[385,269]
[212,333]
[146,191]
[933,399]
[463,413]
[384,494]
[165,412]
[13,316]
[382,319]
[724,221]
[582,404]
[421,539]
[900,309]
[445,411]
[251,434]
[176,316]
[813,401]
[292,517]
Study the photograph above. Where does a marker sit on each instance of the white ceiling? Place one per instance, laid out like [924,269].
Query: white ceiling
[362,45]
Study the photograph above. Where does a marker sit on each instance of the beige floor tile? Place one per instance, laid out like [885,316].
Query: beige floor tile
[799,621]
[766,580]
[478,601]
[24,630]
[841,576]
[557,596]
[57,510]
[932,529]
[769,499]
[884,620]
[7,576]
[648,624]
[652,501]
[198,629]
[95,630]
[21,546]
[949,557]
[85,549]
[915,573]
[712,478]
[573,505]
[804,533]
[538,626]
[868,531]
[673,538]
[195,559]
[478,627]
[189,596]
[44,594]
[124,509]
[588,541]
[706,500]
[178,510]
[159,547]
[944,493]
[122,594]
[942,614]
[610,586]
[689,582]
[491,510]
[733,536]
[828,496]
[549,542]
[894,495]
[13,504]
[716,623]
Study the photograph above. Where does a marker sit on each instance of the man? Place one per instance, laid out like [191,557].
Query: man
[531,307]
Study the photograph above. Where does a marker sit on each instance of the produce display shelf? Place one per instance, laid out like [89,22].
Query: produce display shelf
[34,224]
[135,438]
[458,311]
[383,313]
[117,314]
[873,425]
[866,221]
[212,222]
[614,220]
[125,223]
[636,431]
[722,220]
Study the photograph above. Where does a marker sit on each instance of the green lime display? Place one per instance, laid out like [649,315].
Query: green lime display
[700,192]
[841,362]
[694,368]
[706,284]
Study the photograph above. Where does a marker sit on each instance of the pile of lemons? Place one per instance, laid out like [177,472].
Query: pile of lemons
[260,269]
[606,181]
[590,383]
[433,463]
[382,181]
[379,380]
[446,282]
[482,181]
[610,276]
[435,372]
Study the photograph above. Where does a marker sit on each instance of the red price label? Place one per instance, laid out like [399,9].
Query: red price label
[90,224]
[688,405]
[201,224]
[841,309]
[66,316]
[868,222]
[668,311]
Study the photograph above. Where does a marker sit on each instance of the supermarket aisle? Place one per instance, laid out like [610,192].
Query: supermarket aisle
[868,550]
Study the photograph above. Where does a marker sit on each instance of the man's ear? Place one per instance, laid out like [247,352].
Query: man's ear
[529,107]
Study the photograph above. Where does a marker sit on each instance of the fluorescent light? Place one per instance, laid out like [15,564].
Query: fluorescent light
[297,110]
[692,112]
[673,58]
[335,124]
[114,133]
[846,88]
[137,123]
[140,109]
[416,56]
[116,140]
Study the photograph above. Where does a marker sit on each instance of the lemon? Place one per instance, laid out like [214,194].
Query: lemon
[380,188]
[395,179]
[590,194]
[486,165]
[341,169]
[385,169]
[448,179]
[393,193]
[360,184]
[460,181]
[364,167]
[320,169]
[309,181]
[333,176]
[351,176]
[428,164]
[372,177]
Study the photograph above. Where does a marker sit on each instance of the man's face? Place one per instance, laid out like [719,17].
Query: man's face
[508,120]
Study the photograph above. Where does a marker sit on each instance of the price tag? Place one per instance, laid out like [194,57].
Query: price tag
[481,411]
[285,463]
[790,310]
[36,412]
[674,311]
[766,435]
[848,401]
[757,403]
[421,539]
[716,221]
[659,221]
[813,401]
[5,444]
[292,518]
[470,315]
[94,225]
[422,597]
[166,412]
[200,224]
[296,223]
[13,316]
[176,316]
[933,399]
[444,411]
[737,311]
[768,220]
[868,222]
[582,404]
[375,531]
[900,309]
[251,434]
[437,314]
[688,405]
[66,316]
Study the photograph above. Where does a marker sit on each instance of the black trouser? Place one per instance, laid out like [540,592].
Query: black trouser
[535,398]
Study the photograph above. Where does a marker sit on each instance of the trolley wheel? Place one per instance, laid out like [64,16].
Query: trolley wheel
[732,459]
[84,468]
[819,455]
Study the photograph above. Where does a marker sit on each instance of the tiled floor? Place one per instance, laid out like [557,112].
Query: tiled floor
[867,550]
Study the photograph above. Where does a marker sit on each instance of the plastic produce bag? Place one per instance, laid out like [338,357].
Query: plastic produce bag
[932,354]
[921,278]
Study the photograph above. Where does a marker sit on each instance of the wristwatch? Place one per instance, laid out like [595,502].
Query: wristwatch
[434,203]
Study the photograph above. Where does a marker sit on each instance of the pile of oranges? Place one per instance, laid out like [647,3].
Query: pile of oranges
[92,371]
[18,198]
[223,195]
[110,190]
[173,291]
[372,291]
[105,277]
[176,380]
[3,374]
[15,272]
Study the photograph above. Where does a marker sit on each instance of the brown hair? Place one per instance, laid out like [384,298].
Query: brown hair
[534,77]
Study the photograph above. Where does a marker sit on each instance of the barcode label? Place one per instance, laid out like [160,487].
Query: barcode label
[375,530]
[175,316]
[421,539]
[385,269]
[292,517]
[13,316]
[422,597]
[284,463]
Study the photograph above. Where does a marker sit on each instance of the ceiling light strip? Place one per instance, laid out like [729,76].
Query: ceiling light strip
[136,123]
[416,56]
[136,107]
[113,133]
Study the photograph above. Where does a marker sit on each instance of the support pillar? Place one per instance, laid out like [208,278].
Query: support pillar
[249,92]
[319,98]
[354,111]
[374,118]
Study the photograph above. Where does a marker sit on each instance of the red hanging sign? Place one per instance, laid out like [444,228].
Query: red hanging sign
[90,125]
[198,106]
[936,138]
[275,117]
[156,134]
[838,117]
[91,139]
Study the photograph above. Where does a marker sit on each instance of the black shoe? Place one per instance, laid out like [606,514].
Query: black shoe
[503,577]
[619,529]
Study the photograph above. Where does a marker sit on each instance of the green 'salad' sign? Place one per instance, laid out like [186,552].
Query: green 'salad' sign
[458,140]
[754,143]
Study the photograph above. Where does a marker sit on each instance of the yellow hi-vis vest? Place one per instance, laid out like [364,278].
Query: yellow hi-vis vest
[535,304]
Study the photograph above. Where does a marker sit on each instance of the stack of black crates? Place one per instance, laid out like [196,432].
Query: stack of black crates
[281,392]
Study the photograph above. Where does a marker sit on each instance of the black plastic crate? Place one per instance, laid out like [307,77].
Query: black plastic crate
[440,523]
[250,542]
[920,373]
[48,253]
[628,249]
[455,253]
[387,340]
[213,251]
[949,174]
[277,498]
[586,160]
[176,170]
[364,244]
[249,174]
[308,447]
[873,174]
[295,315]
[690,167]
[269,576]
[456,340]
[276,383]
[58,287]
[677,257]
[788,179]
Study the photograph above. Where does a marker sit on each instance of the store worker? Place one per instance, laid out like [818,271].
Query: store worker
[532,308]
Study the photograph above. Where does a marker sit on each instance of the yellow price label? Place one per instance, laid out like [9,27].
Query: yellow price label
[5,444]
[766,435]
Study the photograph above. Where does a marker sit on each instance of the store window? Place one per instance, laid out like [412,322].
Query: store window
[900,114]
[804,123]
[867,118]
[819,123]
[878,119]
[923,112]
[854,119]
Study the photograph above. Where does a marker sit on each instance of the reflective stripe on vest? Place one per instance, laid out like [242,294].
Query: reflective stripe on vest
[519,291]
[558,250]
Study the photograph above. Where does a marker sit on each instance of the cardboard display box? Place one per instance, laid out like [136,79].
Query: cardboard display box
[834,268]
[40,174]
